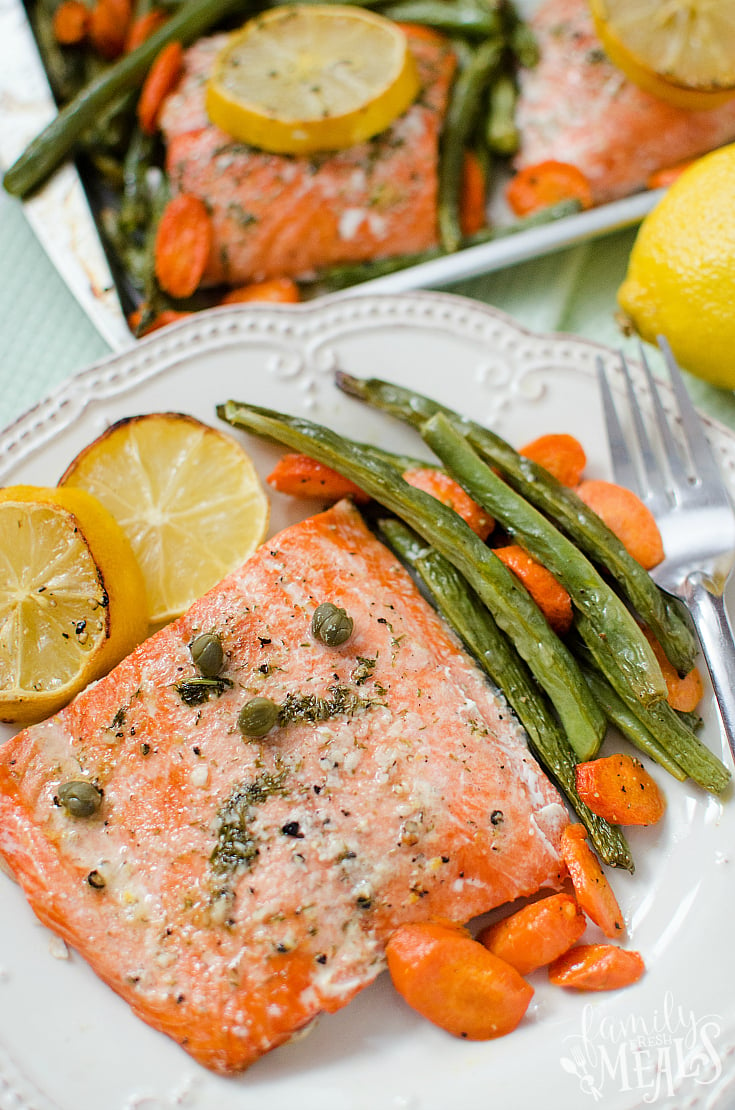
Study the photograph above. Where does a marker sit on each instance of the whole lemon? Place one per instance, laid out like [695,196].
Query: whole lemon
[681,273]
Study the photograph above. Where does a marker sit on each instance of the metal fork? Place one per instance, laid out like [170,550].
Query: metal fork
[685,492]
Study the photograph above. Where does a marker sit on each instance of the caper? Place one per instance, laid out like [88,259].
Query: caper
[207,654]
[332,625]
[257,717]
[79,798]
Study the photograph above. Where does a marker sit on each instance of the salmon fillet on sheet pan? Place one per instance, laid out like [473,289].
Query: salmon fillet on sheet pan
[231,889]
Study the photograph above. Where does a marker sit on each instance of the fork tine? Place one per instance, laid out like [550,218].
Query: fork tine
[678,473]
[625,471]
[653,488]
[706,470]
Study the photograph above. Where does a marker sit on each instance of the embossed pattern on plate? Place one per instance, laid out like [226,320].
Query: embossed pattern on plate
[68,1043]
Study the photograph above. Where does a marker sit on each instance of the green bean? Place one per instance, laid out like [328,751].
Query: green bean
[523,44]
[528,527]
[501,132]
[464,106]
[135,203]
[618,713]
[55,142]
[462,609]
[699,763]
[661,613]
[511,605]
[463,16]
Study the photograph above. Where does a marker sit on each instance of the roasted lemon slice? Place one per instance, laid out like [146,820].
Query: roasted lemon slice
[187,497]
[682,51]
[309,78]
[72,600]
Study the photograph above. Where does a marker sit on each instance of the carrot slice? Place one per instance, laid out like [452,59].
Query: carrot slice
[161,320]
[281,290]
[302,476]
[108,26]
[597,967]
[661,179]
[183,243]
[143,27]
[455,982]
[620,789]
[450,493]
[536,934]
[551,597]
[684,693]
[625,514]
[546,183]
[591,888]
[472,200]
[70,22]
[161,79]
[559,453]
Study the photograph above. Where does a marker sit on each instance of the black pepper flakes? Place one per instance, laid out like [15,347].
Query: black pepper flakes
[292,828]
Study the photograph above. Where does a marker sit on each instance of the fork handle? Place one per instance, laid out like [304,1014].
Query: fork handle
[706,604]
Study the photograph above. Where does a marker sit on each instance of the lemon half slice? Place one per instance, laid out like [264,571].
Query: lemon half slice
[187,497]
[309,78]
[72,600]
[682,51]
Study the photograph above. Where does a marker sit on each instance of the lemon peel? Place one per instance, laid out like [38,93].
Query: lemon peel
[187,497]
[681,51]
[72,600]
[307,78]
[680,280]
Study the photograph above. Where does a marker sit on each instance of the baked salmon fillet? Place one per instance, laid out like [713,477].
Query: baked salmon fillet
[275,215]
[232,888]
[576,106]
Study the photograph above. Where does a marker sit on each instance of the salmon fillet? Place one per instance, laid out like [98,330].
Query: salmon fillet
[576,106]
[231,889]
[276,215]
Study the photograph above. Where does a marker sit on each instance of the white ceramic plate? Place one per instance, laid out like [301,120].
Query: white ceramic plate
[68,1043]
[60,215]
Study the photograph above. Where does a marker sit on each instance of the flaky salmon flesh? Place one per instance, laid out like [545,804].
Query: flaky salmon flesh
[575,106]
[279,215]
[232,888]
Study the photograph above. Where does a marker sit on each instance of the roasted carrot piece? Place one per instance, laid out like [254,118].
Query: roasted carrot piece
[625,514]
[455,982]
[472,199]
[559,453]
[71,22]
[283,290]
[597,967]
[160,80]
[591,888]
[684,693]
[161,320]
[143,27]
[450,493]
[551,597]
[546,183]
[620,789]
[183,243]
[302,476]
[536,934]
[661,179]
[108,26]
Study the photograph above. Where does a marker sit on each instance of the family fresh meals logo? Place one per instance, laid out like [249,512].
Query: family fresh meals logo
[651,1055]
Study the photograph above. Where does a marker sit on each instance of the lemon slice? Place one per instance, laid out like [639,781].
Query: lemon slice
[187,497]
[72,600]
[308,78]
[682,51]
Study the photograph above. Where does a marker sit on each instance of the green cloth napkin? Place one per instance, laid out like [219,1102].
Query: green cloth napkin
[45,336]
